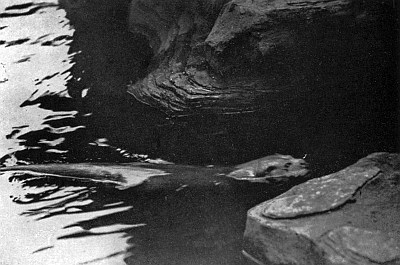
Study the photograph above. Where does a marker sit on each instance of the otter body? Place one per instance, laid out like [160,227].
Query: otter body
[266,169]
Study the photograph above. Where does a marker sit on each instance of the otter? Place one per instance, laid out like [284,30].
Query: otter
[264,170]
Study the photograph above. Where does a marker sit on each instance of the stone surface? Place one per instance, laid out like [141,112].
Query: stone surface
[236,56]
[319,195]
[349,217]
[353,245]
[242,16]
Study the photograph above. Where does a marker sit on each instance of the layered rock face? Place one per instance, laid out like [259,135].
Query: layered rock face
[234,56]
[349,217]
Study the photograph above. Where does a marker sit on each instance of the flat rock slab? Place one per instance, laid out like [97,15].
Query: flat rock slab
[349,217]
[319,195]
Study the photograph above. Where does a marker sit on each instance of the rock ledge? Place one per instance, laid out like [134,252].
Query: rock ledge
[349,217]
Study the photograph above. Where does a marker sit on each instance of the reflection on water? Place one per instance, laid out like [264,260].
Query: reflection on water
[44,97]
[42,215]
[21,55]
[63,77]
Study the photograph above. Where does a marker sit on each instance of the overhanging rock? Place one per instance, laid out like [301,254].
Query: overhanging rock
[236,56]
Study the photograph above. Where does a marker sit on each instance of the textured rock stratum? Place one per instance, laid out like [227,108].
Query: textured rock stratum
[351,217]
[226,56]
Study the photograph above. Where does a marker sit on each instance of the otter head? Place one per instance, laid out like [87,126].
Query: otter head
[274,167]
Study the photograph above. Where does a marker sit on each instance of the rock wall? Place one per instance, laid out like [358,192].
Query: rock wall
[234,56]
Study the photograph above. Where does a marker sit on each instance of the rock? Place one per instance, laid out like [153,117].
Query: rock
[242,16]
[237,56]
[319,195]
[349,217]
[361,246]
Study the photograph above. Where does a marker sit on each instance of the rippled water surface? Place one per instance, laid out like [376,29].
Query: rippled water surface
[63,78]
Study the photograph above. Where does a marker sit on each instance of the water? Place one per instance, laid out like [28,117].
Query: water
[63,77]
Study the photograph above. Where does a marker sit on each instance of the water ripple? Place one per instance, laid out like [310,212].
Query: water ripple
[34,9]
[57,41]
[20,6]
[49,211]
[37,39]
[15,42]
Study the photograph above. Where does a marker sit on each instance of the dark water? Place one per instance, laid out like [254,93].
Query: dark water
[63,78]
